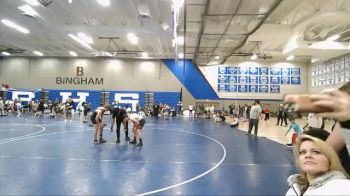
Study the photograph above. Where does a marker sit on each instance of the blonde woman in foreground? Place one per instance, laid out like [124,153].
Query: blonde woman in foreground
[321,172]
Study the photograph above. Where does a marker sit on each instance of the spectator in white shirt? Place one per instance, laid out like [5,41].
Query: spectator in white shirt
[313,121]
[235,121]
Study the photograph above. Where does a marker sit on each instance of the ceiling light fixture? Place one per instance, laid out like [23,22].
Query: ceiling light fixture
[291,57]
[164,26]
[143,11]
[85,38]
[314,60]
[27,10]
[70,1]
[216,57]
[32,2]
[77,39]
[333,38]
[104,3]
[181,55]
[325,45]
[180,40]
[178,3]
[254,57]
[144,54]
[38,53]
[15,26]
[5,53]
[132,38]
[213,63]
[72,53]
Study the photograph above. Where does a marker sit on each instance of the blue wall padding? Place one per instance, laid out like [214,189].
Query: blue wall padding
[170,98]
[192,78]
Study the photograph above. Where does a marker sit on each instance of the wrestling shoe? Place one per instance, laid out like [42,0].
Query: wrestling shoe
[102,140]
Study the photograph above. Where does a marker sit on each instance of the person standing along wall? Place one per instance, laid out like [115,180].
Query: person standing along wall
[254,115]
[156,109]
[280,112]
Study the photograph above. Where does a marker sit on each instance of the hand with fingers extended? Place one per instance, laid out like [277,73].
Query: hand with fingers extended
[338,101]
[303,103]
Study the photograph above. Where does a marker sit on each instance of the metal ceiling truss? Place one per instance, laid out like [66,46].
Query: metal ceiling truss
[241,40]
[111,51]
[273,7]
[13,50]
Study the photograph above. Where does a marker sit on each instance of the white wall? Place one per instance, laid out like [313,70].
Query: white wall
[150,75]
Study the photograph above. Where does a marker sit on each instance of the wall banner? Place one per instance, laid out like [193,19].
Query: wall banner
[263,71]
[285,80]
[263,89]
[275,80]
[263,80]
[295,71]
[242,88]
[222,87]
[274,88]
[232,88]
[285,72]
[253,71]
[221,70]
[295,80]
[275,71]
[253,88]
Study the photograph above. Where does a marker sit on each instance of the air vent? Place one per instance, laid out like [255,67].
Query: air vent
[144,14]
[143,10]
[12,50]
[45,2]
[144,18]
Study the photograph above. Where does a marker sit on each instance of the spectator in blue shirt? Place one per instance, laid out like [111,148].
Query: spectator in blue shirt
[297,130]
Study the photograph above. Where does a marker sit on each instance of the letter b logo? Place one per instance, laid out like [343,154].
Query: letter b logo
[80,71]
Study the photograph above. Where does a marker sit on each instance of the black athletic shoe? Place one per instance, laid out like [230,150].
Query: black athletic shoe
[118,141]
[127,138]
[102,141]
[139,144]
[95,142]
[133,142]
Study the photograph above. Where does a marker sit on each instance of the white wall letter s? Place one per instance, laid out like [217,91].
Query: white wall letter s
[133,101]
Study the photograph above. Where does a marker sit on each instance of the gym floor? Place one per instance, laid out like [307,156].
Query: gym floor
[180,156]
